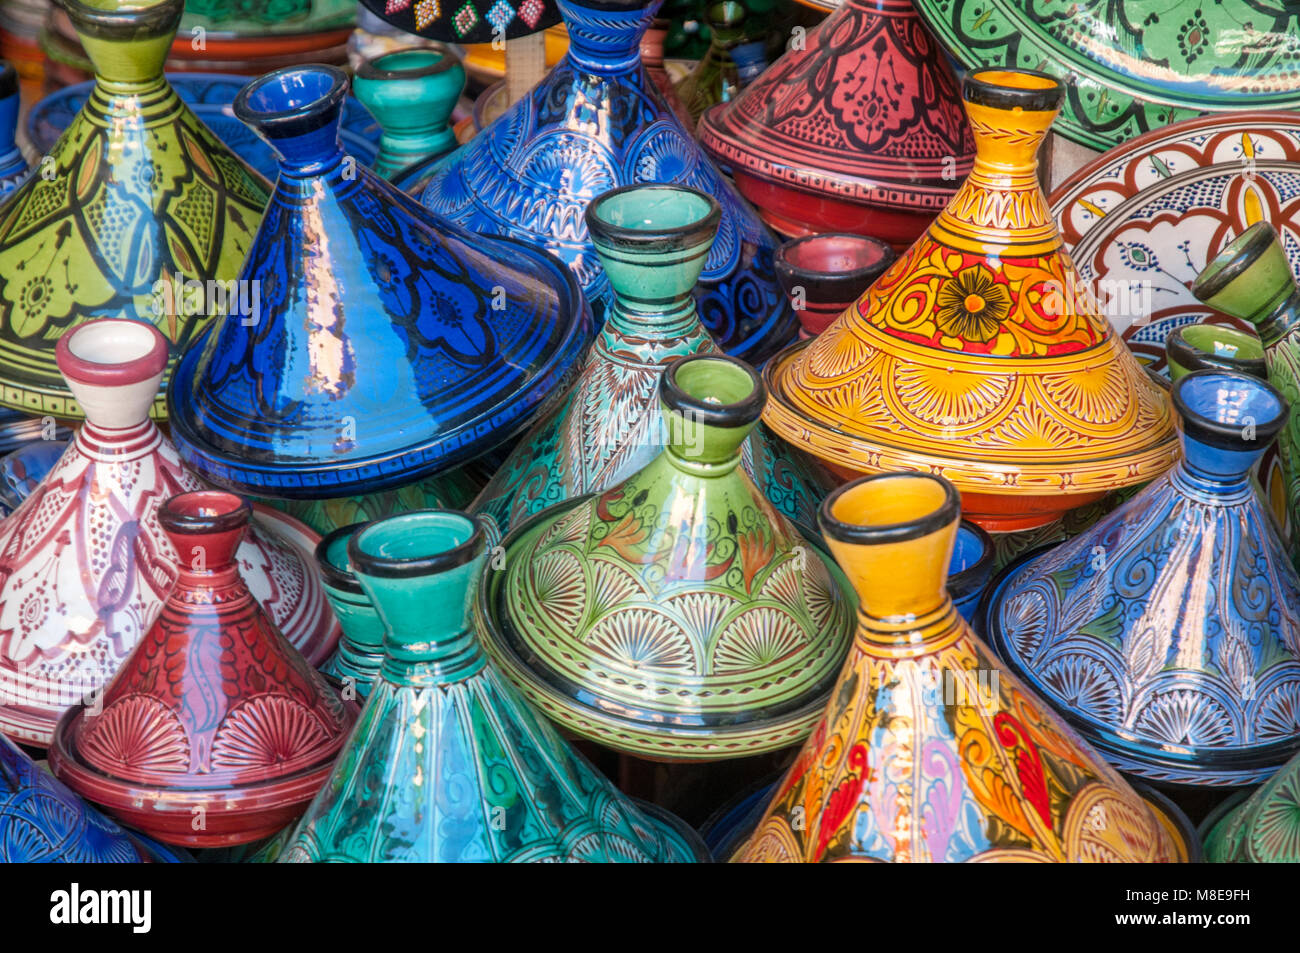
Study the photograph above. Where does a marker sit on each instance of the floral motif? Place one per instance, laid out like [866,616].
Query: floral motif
[971,306]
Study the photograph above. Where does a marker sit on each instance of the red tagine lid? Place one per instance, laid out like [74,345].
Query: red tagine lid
[215,731]
[859,129]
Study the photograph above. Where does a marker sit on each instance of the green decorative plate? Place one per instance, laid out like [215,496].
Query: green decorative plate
[1133,65]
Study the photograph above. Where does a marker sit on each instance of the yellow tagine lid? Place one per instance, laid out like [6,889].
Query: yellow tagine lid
[980,354]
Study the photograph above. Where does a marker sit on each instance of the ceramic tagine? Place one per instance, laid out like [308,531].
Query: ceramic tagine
[716,78]
[595,123]
[1263,829]
[84,564]
[978,355]
[652,241]
[857,130]
[412,93]
[823,275]
[41,821]
[929,749]
[652,58]
[676,615]
[13,167]
[136,198]
[448,762]
[1168,633]
[1204,346]
[387,345]
[215,731]
[360,652]
[1251,279]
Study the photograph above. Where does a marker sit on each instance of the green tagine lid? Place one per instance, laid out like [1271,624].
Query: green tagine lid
[1265,829]
[138,211]
[676,615]
[448,763]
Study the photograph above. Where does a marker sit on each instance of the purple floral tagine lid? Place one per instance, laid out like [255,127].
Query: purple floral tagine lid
[372,344]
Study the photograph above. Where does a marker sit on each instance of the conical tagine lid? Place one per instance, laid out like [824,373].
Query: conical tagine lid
[84,563]
[652,241]
[597,122]
[41,821]
[858,129]
[1168,632]
[676,614]
[448,763]
[929,749]
[136,199]
[1265,829]
[215,731]
[385,345]
[978,354]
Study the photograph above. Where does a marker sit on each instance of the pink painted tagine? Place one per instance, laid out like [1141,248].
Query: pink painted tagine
[859,130]
[84,564]
[215,731]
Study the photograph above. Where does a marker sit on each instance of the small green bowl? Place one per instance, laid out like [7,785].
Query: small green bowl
[1196,347]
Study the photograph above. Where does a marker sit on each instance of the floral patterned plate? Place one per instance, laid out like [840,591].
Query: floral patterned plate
[210,95]
[1143,220]
[1133,65]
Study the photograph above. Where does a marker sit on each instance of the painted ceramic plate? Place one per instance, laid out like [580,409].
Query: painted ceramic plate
[1143,220]
[210,95]
[1136,65]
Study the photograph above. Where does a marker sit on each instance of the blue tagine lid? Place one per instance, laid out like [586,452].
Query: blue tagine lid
[595,123]
[1168,634]
[368,343]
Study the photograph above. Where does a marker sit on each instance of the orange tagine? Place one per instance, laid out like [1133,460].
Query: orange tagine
[979,354]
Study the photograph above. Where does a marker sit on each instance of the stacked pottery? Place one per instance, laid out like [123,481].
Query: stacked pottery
[387,347]
[215,731]
[84,563]
[136,198]
[594,123]
[448,762]
[979,355]
[1168,633]
[824,274]
[676,614]
[929,750]
[1252,280]
[857,129]
[652,241]
[412,93]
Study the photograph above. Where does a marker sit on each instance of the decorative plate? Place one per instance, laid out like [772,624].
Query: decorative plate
[1134,65]
[467,21]
[210,95]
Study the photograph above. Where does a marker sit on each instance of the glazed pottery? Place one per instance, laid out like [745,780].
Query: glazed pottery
[716,78]
[41,821]
[211,97]
[929,749]
[136,196]
[970,568]
[387,345]
[454,489]
[676,615]
[1133,67]
[860,130]
[1201,347]
[652,241]
[22,470]
[448,762]
[1251,279]
[84,564]
[595,123]
[361,648]
[1141,221]
[215,731]
[1264,829]
[978,355]
[412,93]
[1167,633]
[259,17]
[467,21]
[652,58]
[13,167]
[823,274]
